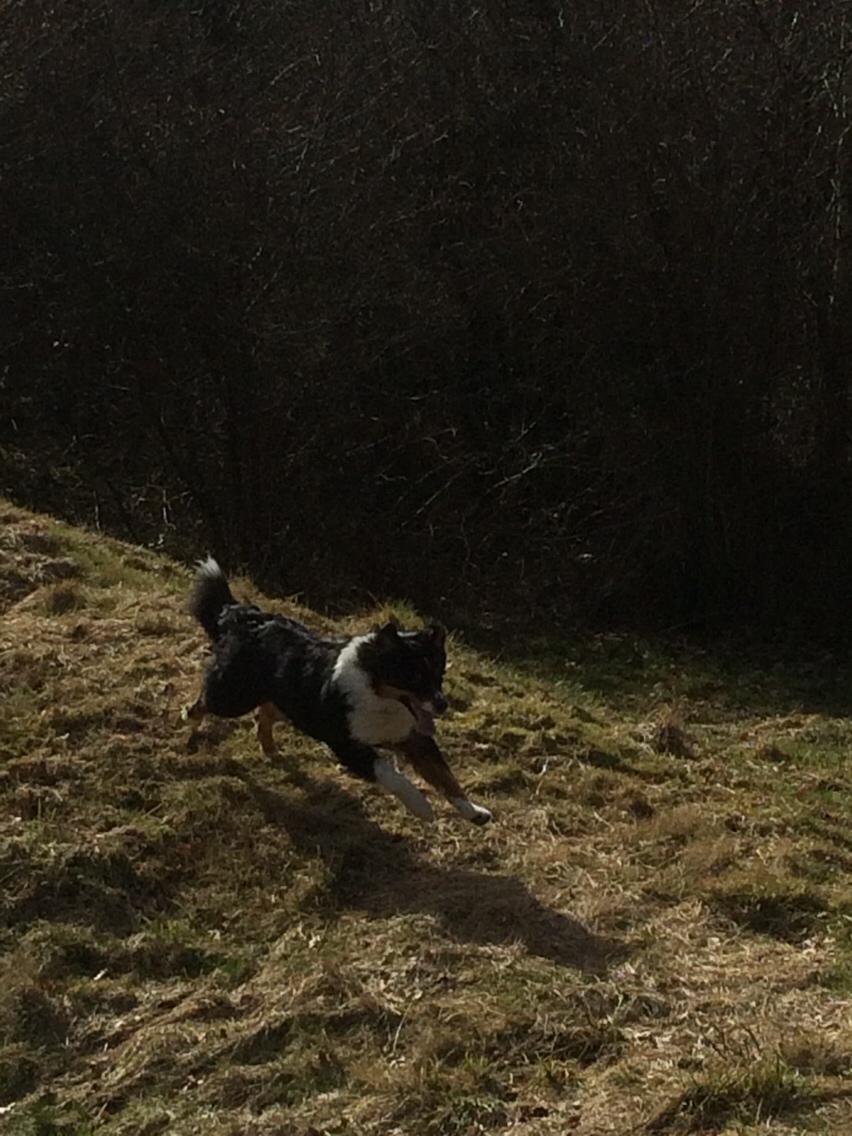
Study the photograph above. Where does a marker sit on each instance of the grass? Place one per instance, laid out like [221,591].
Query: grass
[655,935]
[761,1090]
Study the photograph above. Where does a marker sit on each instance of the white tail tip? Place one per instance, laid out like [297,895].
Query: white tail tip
[209,567]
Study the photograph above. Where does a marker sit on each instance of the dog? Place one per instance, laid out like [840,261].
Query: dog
[358,694]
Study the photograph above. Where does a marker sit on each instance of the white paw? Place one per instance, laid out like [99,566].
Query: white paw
[475,813]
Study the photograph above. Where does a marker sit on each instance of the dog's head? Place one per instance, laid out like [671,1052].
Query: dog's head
[409,666]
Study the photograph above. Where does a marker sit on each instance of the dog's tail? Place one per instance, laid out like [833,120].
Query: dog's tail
[210,594]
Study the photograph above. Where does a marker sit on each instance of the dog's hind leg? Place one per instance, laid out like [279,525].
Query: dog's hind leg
[194,712]
[432,766]
[266,716]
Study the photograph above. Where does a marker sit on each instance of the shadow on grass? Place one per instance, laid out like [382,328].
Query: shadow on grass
[762,679]
[380,873]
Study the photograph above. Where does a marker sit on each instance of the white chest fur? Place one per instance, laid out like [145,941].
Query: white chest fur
[372,720]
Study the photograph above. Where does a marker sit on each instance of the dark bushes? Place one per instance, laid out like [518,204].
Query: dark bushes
[532,306]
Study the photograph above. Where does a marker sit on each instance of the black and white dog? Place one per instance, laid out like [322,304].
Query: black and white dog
[356,694]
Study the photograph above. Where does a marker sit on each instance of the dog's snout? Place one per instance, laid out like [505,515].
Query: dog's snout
[439,702]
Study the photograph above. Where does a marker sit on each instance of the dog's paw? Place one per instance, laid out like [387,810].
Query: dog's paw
[474,813]
[481,815]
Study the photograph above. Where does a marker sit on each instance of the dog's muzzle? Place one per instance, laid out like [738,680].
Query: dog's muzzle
[424,711]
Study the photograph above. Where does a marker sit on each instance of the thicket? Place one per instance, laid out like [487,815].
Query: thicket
[516,306]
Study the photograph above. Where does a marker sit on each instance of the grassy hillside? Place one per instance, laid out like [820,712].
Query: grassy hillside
[654,936]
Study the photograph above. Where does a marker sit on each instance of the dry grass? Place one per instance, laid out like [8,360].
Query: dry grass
[654,936]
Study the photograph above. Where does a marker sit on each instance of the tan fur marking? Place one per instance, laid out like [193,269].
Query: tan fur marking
[266,716]
[385,690]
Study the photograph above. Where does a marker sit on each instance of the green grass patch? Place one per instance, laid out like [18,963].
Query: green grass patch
[748,1094]
[48,1117]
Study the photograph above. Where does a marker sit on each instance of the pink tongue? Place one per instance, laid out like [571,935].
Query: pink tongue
[422,719]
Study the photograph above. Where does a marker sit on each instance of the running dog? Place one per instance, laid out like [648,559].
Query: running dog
[357,694]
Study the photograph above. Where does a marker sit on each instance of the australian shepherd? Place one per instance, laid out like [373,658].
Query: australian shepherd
[358,694]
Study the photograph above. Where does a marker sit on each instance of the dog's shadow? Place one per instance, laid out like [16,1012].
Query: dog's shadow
[381,873]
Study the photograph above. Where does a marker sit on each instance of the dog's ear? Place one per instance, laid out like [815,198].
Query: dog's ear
[437,633]
[388,631]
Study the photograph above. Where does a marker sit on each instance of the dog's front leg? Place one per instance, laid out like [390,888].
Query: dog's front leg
[423,753]
[365,762]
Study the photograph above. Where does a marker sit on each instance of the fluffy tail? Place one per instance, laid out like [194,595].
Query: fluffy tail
[210,594]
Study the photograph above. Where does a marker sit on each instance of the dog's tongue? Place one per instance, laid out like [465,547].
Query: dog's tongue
[423,720]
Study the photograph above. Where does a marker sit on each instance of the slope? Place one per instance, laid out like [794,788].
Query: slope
[653,936]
